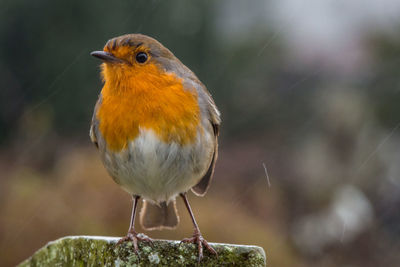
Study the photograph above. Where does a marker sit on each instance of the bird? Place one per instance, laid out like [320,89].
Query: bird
[156,127]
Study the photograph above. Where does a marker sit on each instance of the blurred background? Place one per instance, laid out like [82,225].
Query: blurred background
[310,145]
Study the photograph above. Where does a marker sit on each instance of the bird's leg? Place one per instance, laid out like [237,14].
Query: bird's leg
[197,237]
[132,234]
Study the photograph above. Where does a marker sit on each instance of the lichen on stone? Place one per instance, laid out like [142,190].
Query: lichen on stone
[153,258]
[103,251]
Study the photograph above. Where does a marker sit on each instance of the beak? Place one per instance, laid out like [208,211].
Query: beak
[106,57]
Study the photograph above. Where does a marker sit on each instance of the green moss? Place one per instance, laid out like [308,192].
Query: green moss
[102,251]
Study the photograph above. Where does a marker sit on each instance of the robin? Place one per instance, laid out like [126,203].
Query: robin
[156,127]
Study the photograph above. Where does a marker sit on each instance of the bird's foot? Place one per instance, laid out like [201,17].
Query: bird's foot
[135,237]
[200,241]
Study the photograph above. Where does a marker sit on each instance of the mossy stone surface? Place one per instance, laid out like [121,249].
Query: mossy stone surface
[103,251]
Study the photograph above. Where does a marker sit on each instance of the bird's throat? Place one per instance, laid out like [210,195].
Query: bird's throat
[149,98]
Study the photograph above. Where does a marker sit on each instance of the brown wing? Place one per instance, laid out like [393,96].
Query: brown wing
[201,187]
[93,125]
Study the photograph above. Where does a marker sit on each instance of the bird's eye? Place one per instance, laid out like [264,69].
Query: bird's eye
[141,57]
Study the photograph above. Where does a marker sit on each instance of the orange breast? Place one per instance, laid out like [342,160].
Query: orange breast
[146,97]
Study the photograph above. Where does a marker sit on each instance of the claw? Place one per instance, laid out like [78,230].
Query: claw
[135,237]
[200,241]
[145,238]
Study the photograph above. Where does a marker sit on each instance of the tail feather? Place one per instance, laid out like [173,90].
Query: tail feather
[159,216]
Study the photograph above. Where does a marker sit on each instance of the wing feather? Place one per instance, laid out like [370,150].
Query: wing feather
[94,124]
[201,187]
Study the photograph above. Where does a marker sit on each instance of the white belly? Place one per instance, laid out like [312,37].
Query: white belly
[159,171]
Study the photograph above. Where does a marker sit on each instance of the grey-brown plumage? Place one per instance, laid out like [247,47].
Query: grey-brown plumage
[159,216]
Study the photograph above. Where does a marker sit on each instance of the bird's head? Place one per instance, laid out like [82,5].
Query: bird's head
[138,57]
